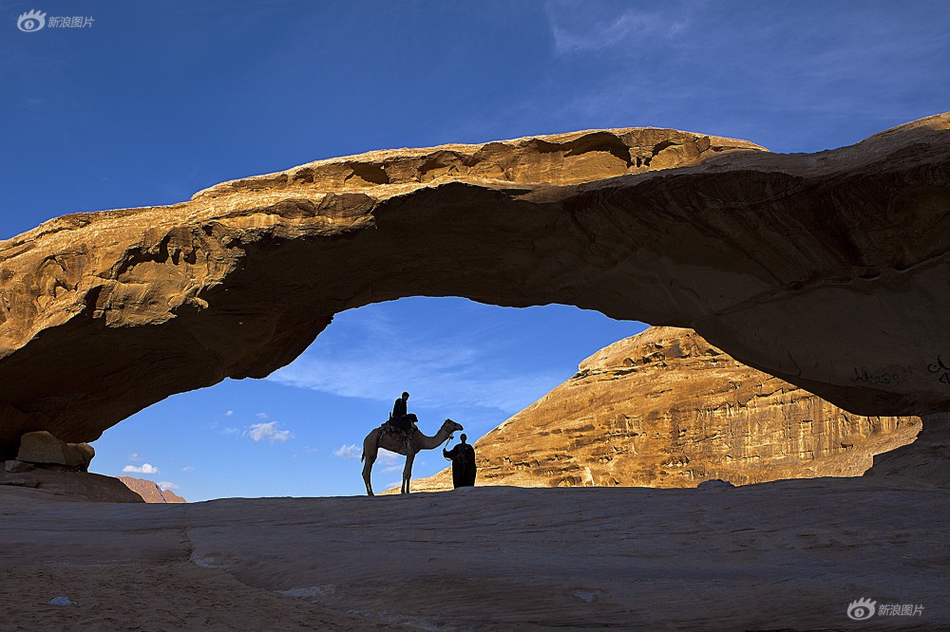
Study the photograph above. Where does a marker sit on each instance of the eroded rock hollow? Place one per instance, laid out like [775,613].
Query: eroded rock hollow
[828,270]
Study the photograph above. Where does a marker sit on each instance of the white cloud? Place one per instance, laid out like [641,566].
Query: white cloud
[372,358]
[388,461]
[229,413]
[146,468]
[165,485]
[188,468]
[269,431]
[261,415]
[350,451]
[135,457]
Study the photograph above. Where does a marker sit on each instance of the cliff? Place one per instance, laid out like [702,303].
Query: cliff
[666,408]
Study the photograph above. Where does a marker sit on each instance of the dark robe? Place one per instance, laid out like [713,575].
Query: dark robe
[399,409]
[463,465]
[398,418]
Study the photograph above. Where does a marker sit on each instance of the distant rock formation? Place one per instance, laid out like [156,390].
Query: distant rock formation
[150,491]
[829,270]
[667,409]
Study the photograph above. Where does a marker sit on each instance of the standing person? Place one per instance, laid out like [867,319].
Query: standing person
[400,410]
[463,463]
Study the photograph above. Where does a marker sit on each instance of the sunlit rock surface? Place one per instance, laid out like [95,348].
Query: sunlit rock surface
[150,491]
[665,408]
[829,270]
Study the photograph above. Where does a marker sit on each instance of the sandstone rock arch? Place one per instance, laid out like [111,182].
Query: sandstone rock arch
[829,270]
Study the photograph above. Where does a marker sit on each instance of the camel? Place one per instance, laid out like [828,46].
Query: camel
[418,441]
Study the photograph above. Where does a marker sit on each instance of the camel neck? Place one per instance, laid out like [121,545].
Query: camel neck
[428,443]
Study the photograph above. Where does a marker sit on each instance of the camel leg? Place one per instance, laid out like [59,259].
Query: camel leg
[367,474]
[370,452]
[407,472]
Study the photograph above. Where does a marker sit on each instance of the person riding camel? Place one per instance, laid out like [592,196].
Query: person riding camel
[399,418]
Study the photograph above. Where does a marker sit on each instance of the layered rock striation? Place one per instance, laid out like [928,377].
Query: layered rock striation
[667,409]
[829,270]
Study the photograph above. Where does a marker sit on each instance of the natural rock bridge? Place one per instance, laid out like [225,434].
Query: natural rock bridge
[829,270]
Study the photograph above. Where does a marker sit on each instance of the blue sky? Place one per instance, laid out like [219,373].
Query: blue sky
[152,102]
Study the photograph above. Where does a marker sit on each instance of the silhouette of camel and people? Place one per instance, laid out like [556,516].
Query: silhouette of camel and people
[399,434]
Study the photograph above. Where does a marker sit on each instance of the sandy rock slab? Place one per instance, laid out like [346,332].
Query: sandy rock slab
[788,555]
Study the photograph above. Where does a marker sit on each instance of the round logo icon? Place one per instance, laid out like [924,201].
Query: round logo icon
[861,609]
[32,21]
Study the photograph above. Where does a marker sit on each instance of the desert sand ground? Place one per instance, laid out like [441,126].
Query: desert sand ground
[788,555]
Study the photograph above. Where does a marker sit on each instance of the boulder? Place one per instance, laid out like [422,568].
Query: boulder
[41,447]
[715,484]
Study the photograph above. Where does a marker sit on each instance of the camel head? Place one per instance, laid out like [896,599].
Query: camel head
[451,426]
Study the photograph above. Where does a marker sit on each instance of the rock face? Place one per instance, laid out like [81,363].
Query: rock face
[829,270]
[667,409]
[150,491]
[924,460]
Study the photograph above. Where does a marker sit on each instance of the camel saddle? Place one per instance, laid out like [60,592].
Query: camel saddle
[401,435]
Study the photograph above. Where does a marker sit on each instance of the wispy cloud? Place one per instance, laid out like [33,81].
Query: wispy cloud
[166,485]
[376,359]
[145,468]
[188,468]
[348,451]
[268,431]
[579,27]
[791,76]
